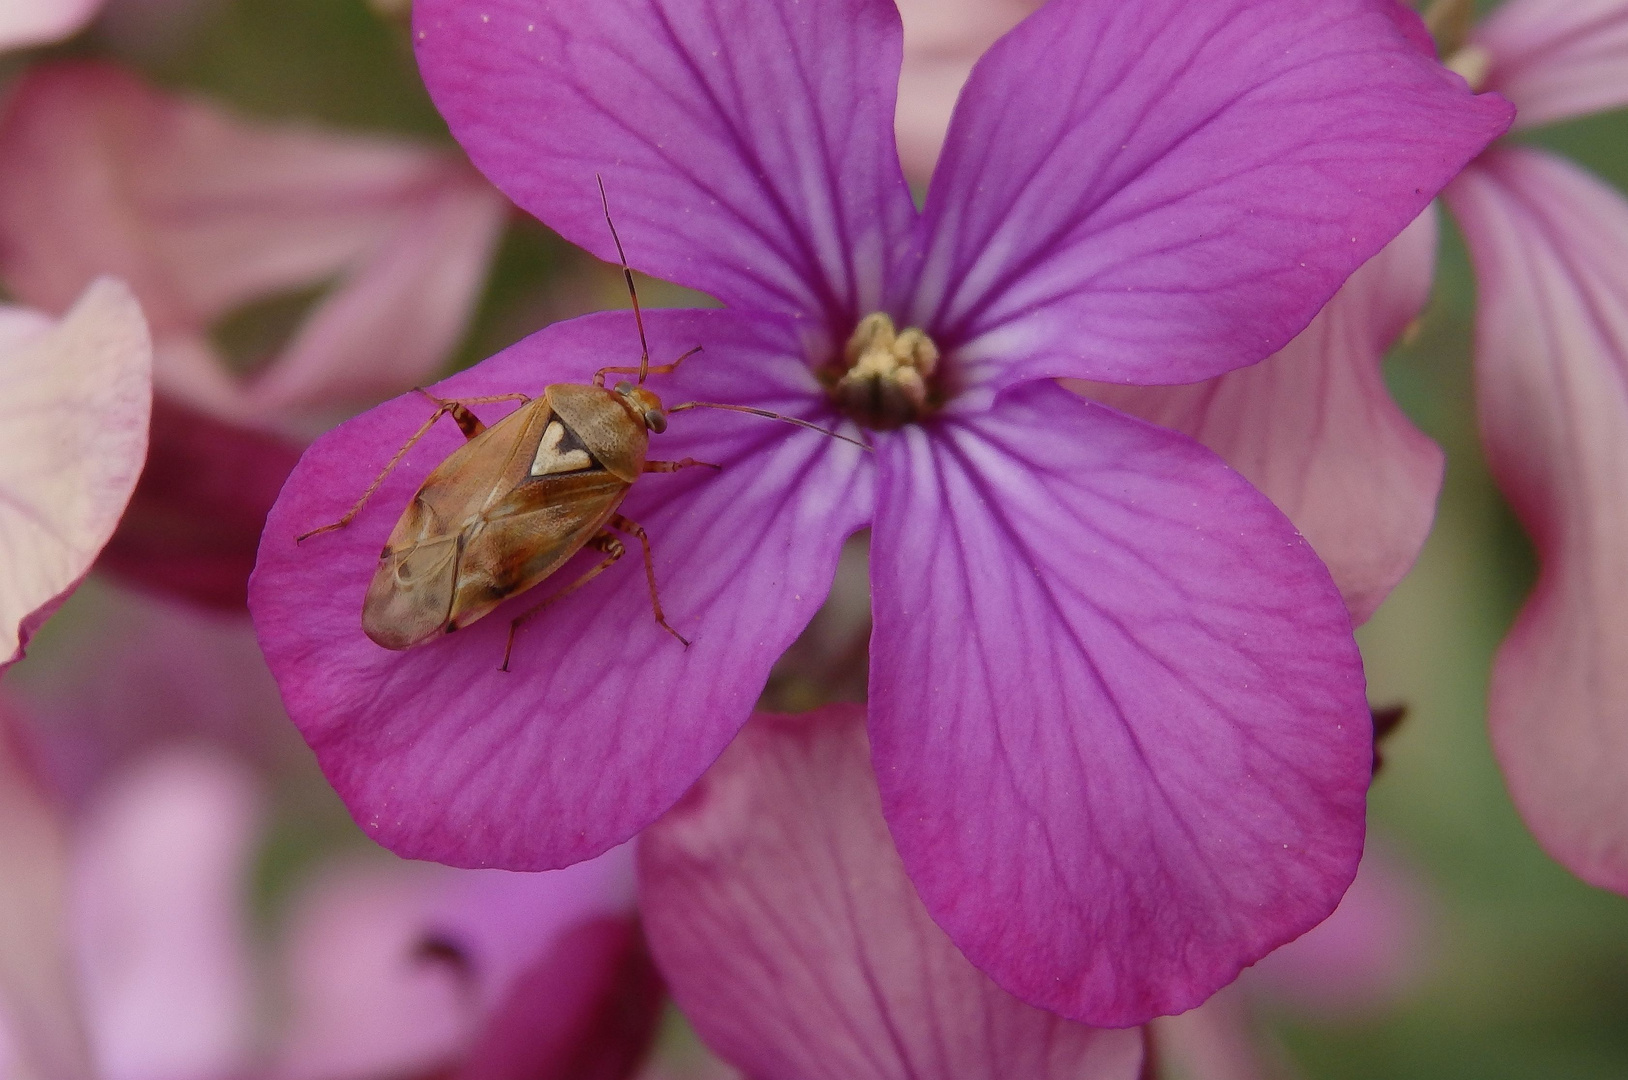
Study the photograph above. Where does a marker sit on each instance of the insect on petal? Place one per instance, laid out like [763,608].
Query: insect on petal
[796,945]
[605,719]
[1156,772]
[1185,189]
[766,176]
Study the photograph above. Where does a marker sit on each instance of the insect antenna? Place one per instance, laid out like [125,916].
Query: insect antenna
[627,275]
[771,416]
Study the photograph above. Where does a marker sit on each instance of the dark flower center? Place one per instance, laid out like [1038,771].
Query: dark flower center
[885,377]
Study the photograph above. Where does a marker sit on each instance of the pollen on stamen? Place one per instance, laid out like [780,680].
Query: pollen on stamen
[886,378]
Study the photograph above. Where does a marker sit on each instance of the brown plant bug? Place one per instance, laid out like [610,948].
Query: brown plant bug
[511,505]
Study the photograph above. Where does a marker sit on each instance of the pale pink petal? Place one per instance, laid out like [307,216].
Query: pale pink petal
[203,212]
[39,1001]
[1552,379]
[1315,429]
[160,905]
[1188,183]
[1362,957]
[39,22]
[1557,59]
[1154,773]
[73,437]
[942,40]
[795,944]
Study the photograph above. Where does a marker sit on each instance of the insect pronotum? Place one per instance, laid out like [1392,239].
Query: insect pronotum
[511,505]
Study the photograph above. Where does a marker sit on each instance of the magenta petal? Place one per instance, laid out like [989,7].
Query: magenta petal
[1557,59]
[605,719]
[797,947]
[1552,357]
[747,145]
[1189,184]
[1116,707]
[1315,429]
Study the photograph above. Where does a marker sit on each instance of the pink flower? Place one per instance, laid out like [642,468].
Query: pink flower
[1548,243]
[795,943]
[74,433]
[203,213]
[1313,427]
[1079,617]
[389,969]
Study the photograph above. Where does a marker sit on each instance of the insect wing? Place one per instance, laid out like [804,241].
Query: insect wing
[410,598]
[529,535]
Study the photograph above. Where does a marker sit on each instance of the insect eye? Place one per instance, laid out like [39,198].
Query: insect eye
[624,387]
[655,420]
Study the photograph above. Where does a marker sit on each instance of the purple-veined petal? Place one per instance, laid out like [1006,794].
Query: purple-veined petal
[202,212]
[1184,189]
[1315,429]
[793,941]
[1116,707]
[40,1004]
[1557,59]
[72,440]
[746,145]
[1552,384]
[605,719]
[39,22]
[160,917]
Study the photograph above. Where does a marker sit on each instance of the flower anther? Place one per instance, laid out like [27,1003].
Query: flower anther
[888,377]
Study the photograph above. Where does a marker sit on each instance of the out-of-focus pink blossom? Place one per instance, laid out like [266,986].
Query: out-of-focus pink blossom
[793,941]
[1361,959]
[391,969]
[73,435]
[205,213]
[40,22]
[1548,243]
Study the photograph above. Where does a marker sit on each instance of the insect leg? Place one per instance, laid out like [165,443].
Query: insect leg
[613,550]
[468,422]
[633,528]
[442,408]
[659,369]
[674,466]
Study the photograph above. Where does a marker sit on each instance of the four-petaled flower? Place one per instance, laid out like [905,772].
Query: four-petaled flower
[1116,710]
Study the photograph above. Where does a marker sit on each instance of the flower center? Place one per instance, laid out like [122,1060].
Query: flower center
[885,378]
[1450,22]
